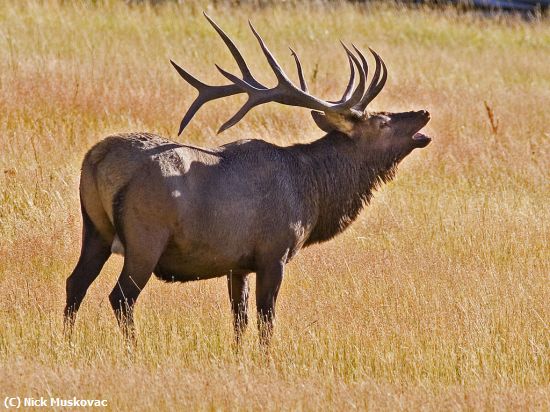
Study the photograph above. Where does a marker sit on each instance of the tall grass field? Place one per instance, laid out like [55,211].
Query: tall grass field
[436,298]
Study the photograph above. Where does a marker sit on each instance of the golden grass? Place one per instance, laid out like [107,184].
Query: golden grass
[436,298]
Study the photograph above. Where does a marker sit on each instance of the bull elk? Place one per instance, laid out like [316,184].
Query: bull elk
[187,213]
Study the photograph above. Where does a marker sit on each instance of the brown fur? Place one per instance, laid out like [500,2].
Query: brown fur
[188,213]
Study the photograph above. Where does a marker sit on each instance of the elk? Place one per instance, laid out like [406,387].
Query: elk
[188,213]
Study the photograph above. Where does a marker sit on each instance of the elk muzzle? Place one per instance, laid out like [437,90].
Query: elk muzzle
[421,119]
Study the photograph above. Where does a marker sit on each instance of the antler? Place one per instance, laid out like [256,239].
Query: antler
[352,103]
[377,84]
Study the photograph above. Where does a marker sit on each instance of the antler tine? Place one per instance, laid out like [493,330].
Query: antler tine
[206,93]
[374,81]
[303,84]
[285,92]
[258,96]
[250,103]
[364,62]
[279,73]
[380,85]
[235,53]
[376,84]
[254,99]
[351,82]
[360,89]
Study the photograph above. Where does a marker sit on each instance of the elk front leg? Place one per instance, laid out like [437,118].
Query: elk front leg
[268,282]
[238,295]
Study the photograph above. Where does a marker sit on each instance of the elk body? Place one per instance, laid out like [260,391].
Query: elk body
[188,213]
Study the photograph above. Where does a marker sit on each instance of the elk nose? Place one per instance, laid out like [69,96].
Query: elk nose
[424,113]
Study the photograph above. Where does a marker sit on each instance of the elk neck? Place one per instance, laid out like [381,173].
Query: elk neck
[340,179]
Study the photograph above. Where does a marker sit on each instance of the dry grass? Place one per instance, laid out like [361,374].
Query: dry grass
[437,298]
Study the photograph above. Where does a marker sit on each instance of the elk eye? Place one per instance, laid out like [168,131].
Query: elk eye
[384,124]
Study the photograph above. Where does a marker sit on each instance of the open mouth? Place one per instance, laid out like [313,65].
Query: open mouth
[421,140]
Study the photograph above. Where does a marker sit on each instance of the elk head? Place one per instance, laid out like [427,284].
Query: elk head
[380,133]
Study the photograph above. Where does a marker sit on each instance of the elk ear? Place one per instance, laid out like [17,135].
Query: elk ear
[321,121]
[329,122]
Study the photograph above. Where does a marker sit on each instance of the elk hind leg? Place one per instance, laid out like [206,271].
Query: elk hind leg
[93,255]
[141,254]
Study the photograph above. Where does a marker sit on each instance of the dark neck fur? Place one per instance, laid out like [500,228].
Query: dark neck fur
[341,180]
